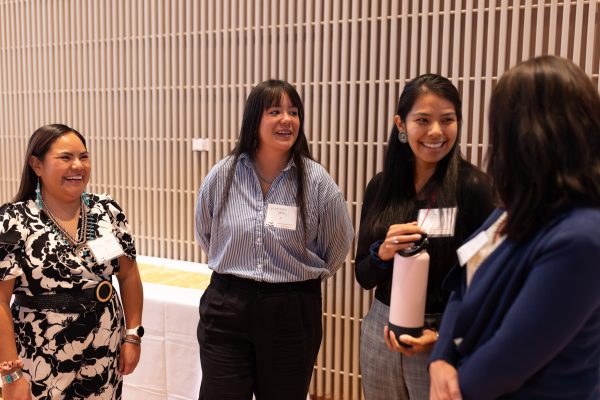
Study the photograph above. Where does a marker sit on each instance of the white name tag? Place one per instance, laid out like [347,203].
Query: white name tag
[280,216]
[106,248]
[470,248]
[437,221]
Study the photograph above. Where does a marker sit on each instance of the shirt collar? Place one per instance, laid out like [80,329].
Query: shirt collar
[247,161]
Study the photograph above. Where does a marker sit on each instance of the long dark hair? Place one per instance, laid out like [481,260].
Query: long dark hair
[545,133]
[396,200]
[263,96]
[39,143]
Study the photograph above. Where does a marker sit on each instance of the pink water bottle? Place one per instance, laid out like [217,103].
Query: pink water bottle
[409,290]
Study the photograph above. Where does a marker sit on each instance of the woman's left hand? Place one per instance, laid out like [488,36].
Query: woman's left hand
[129,357]
[423,343]
[444,381]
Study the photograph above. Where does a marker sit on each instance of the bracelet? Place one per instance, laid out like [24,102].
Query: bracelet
[132,340]
[12,377]
[10,371]
[6,367]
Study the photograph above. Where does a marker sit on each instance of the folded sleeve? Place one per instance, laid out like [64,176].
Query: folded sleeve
[335,233]
[369,270]
[120,226]
[204,214]
[11,243]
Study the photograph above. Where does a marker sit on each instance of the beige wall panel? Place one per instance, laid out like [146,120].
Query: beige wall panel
[142,78]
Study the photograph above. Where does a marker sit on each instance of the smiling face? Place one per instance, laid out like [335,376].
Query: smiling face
[64,170]
[279,127]
[432,127]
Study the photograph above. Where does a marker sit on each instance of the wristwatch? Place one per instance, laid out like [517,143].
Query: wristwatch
[137,331]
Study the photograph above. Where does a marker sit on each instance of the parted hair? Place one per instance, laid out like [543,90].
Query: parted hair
[39,143]
[263,96]
[396,200]
[544,125]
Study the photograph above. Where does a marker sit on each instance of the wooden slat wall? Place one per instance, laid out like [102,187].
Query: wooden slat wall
[142,78]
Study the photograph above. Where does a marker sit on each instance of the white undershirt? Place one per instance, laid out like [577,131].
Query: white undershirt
[487,249]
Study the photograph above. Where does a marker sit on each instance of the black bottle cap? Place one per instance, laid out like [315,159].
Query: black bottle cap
[420,245]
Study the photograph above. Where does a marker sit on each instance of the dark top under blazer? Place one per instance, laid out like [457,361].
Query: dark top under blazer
[475,203]
[528,326]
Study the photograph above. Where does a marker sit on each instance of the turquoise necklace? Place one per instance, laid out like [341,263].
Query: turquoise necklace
[86,232]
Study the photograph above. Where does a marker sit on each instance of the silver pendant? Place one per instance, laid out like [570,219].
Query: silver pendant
[81,250]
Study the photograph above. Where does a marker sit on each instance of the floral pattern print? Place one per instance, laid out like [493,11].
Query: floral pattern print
[66,355]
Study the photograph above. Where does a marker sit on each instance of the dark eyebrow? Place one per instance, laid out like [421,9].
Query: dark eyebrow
[68,153]
[268,108]
[424,114]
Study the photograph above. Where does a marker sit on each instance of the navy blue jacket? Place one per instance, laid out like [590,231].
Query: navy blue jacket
[528,327]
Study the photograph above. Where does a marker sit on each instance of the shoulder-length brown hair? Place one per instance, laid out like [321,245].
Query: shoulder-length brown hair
[545,134]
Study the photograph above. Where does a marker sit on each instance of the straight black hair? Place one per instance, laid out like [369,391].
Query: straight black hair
[263,96]
[396,200]
[39,143]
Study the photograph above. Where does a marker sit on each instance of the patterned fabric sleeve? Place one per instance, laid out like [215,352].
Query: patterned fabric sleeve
[120,226]
[11,241]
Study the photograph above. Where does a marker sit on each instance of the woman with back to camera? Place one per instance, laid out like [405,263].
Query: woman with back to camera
[67,336]
[274,224]
[423,171]
[523,321]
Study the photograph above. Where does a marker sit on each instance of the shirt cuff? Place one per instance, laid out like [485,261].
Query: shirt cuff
[375,260]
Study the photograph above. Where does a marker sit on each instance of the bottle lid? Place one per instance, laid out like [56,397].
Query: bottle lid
[420,245]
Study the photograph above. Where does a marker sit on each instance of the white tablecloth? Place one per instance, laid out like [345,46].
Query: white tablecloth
[169,367]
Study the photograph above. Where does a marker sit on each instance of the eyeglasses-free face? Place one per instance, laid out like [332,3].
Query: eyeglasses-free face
[279,126]
[65,169]
[432,128]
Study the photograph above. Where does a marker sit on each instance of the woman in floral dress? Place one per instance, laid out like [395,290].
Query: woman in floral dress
[59,247]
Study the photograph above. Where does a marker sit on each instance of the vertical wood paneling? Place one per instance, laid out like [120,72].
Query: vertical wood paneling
[591,28]
[490,51]
[142,78]
[477,112]
[468,127]
[567,29]
[539,29]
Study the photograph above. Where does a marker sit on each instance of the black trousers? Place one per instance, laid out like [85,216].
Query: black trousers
[258,338]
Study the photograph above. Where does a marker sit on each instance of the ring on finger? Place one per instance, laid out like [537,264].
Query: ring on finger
[395,240]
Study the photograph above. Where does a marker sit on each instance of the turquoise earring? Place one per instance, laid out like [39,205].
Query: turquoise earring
[85,198]
[38,195]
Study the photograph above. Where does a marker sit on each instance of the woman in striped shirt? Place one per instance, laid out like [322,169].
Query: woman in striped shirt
[274,225]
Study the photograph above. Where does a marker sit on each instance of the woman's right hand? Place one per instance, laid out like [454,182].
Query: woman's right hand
[399,237]
[444,381]
[17,390]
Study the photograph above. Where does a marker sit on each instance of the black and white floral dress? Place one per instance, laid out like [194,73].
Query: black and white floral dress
[66,355]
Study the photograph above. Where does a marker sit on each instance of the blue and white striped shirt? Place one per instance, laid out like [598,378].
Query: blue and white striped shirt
[242,245]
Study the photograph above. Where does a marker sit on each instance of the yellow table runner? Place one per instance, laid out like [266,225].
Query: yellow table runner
[173,277]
